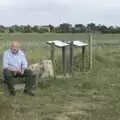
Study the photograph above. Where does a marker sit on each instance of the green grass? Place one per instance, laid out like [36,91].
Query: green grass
[92,95]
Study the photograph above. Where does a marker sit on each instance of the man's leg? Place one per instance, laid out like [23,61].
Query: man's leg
[29,81]
[9,80]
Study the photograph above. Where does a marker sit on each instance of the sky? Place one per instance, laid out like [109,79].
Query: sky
[39,12]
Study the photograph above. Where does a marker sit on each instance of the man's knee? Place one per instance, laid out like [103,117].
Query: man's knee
[28,72]
[7,73]
[8,77]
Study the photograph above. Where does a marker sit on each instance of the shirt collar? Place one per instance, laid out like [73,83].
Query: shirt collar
[14,54]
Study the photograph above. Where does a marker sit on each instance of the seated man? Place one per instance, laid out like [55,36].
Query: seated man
[15,65]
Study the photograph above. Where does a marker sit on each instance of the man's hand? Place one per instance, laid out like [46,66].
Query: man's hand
[19,72]
[16,71]
[22,72]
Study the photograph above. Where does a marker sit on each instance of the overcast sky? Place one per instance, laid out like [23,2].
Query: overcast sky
[58,11]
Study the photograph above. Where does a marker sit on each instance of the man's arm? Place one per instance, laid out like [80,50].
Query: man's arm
[5,62]
[24,62]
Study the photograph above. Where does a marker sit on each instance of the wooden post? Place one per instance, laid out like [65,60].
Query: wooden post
[90,51]
[67,59]
[71,57]
[64,59]
[94,47]
[53,58]
[52,52]
[83,58]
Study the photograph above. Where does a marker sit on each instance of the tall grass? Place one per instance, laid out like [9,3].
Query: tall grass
[93,95]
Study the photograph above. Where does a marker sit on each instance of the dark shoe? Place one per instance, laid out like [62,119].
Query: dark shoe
[12,93]
[29,93]
[25,91]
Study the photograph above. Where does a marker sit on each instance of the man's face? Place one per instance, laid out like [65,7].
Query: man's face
[14,48]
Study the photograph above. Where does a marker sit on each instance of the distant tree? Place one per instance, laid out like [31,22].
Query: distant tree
[80,28]
[62,28]
[14,28]
[65,28]
[36,28]
[117,30]
[27,29]
[103,29]
[73,30]
[91,27]
[11,30]
[21,28]
[44,29]
[2,29]
[57,29]
[52,28]
[111,29]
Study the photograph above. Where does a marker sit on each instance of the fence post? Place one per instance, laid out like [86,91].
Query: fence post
[83,58]
[71,57]
[90,51]
[52,52]
[53,58]
[64,59]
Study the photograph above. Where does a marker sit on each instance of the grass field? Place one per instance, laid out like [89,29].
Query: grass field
[92,95]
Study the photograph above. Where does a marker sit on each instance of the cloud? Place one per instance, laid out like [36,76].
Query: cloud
[57,11]
[6,3]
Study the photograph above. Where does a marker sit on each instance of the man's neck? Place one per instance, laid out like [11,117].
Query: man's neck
[14,53]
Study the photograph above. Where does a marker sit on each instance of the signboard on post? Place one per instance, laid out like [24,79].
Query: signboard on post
[71,45]
[62,45]
[79,44]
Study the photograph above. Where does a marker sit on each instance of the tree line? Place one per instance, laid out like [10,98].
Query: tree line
[62,28]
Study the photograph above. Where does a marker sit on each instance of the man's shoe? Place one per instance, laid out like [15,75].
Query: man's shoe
[29,93]
[12,93]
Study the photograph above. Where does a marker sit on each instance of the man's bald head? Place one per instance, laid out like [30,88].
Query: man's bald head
[15,45]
